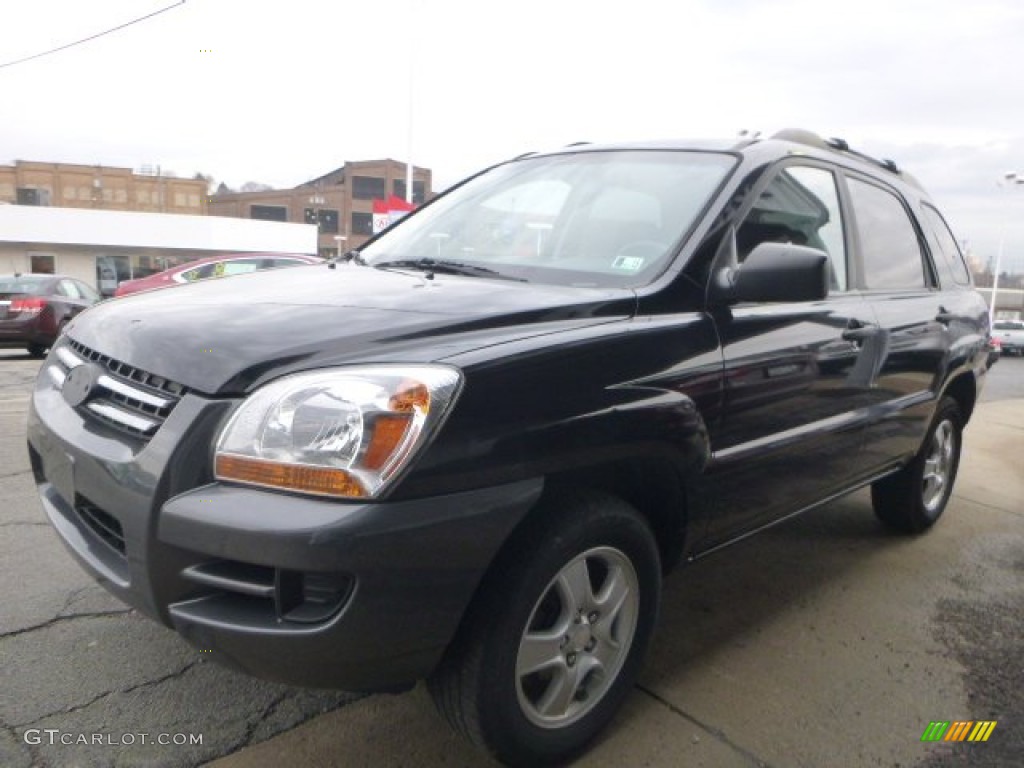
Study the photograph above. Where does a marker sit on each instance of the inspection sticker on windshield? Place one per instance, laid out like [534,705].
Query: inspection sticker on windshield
[628,263]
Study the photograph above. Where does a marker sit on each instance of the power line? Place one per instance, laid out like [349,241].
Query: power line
[91,37]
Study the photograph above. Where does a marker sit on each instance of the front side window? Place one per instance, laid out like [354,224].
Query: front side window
[198,273]
[69,289]
[87,291]
[888,241]
[799,205]
[587,218]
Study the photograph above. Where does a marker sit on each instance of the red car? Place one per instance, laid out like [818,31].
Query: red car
[215,266]
[34,308]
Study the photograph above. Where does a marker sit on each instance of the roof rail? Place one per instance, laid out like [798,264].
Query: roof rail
[800,136]
[836,144]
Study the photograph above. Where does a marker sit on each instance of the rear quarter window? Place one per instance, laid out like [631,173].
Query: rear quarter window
[941,239]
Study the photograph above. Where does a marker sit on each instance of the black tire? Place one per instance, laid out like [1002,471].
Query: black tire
[912,499]
[37,350]
[484,686]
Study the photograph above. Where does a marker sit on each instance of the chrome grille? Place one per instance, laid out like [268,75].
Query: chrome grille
[127,398]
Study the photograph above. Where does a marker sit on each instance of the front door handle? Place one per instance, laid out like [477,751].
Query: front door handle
[856,331]
[859,334]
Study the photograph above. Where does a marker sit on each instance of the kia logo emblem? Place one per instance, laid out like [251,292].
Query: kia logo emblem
[80,383]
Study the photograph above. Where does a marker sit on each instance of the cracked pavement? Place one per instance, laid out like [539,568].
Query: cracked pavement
[824,641]
[76,659]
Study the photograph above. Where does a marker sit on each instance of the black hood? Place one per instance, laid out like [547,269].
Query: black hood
[222,336]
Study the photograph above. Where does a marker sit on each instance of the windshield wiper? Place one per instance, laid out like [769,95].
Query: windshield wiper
[445,267]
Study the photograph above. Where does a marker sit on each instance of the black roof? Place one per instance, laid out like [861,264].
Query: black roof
[793,141]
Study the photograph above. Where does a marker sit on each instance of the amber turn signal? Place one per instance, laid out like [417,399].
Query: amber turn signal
[323,481]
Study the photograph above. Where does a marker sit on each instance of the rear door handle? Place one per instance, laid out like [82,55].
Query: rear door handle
[945,316]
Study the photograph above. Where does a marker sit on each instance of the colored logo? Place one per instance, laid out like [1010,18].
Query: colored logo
[958,730]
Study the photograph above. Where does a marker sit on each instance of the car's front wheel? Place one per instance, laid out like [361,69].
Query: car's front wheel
[558,632]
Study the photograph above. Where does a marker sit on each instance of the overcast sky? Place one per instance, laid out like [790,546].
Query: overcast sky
[283,92]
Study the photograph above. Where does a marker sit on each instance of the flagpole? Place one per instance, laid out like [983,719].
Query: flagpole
[412,71]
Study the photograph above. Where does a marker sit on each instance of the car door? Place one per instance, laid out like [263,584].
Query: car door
[798,376]
[912,310]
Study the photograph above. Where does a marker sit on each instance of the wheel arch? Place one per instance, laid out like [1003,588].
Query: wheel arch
[964,390]
[654,486]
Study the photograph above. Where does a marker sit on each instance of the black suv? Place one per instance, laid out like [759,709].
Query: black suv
[469,452]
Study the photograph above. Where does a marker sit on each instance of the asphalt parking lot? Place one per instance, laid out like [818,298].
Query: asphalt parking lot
[823,642]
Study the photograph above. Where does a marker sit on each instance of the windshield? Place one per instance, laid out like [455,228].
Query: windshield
[587,218]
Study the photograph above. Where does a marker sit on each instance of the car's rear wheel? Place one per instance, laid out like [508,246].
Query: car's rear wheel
[37,350]
[557,634]
[915,497]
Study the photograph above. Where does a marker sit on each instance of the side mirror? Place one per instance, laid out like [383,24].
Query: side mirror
[773,272]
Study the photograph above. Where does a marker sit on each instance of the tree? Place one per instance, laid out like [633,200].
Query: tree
[210,181]
[255,186]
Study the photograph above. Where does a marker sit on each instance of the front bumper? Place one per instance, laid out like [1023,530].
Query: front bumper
[361,596]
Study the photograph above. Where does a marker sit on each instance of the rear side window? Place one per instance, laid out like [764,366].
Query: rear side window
[888,240]
[943,241]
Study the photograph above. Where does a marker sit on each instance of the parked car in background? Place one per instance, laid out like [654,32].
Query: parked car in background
[1010,334]
[215,266]
[995,351]
[35,308]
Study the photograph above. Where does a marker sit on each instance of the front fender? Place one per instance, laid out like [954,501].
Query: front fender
[600,395]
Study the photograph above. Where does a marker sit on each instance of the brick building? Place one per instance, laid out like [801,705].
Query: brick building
[340,203]
[100,187]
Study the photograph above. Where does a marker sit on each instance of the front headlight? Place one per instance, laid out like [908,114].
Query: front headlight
[341,432]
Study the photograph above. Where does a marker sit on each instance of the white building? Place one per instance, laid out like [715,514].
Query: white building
[105,247]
